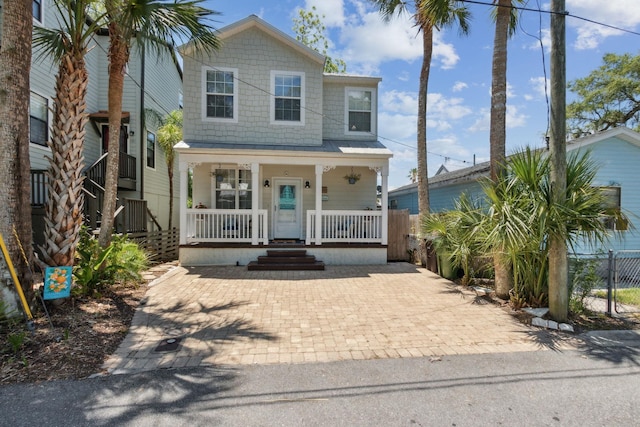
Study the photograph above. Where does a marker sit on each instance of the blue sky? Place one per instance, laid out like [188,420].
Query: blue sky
[460,80]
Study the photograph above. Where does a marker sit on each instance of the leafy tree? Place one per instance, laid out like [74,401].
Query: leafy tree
[608,97]
[159,26]
[310,31]
[15,208]
[505,17]
[67,45]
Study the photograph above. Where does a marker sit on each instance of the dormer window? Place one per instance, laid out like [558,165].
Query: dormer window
[220,98]
[360,116]
[288,97]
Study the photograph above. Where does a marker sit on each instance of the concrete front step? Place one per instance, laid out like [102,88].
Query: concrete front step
[286,260]
[256,266]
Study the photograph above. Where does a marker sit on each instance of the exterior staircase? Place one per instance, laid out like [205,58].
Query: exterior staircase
[286,260]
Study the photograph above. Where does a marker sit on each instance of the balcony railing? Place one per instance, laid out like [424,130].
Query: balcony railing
[225,225]
[126,168]
[345,226]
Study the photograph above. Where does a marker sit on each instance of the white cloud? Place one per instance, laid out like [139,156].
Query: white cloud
[368,40]
[332,10]
[459,86]
[513,119]
[619,13]
[399,102]
[538,86]
[397,127]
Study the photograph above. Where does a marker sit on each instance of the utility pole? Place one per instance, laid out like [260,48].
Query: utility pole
[558,262]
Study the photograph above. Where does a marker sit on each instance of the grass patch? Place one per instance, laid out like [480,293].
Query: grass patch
[624,296]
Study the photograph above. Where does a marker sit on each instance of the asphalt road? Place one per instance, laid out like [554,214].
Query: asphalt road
[593,386]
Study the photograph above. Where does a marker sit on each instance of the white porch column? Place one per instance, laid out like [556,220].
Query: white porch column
[255,202]
[318,224]
[385,204]
[184,178]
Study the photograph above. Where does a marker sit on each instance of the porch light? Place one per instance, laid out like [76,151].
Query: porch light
[266,183]
[307,185]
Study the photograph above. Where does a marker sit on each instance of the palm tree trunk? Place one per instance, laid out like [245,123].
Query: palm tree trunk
[65,201]
[170,172]
[118,58]
[497,131]
[423,181]
[15,187]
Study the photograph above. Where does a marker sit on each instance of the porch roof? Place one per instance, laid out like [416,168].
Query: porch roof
[362,148]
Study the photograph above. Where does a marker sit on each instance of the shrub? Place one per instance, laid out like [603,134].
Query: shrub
[121,261]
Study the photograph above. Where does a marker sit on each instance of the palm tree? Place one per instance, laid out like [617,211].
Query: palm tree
[15,209]
[169,134]
[523,218]
[413,175]
[428,15]
[506,19]
[64,206]
[160,26]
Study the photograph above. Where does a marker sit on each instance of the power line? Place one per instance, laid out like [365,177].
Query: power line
[549,12]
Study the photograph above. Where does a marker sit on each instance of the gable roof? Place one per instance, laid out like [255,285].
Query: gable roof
[252,21]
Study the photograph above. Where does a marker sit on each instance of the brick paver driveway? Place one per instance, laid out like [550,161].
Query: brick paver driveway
[228,315]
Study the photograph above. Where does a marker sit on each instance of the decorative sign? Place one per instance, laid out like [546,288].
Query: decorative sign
[57,282]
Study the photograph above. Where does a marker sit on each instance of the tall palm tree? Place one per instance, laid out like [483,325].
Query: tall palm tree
[428,15]
[506,18]
[160,26]
[169,134]
[15,209]
[68,46]
[413,175]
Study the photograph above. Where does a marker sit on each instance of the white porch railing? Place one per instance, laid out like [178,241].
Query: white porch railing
[345,226]
[225,225]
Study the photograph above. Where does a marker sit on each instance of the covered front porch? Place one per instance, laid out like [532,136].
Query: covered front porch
[244,203]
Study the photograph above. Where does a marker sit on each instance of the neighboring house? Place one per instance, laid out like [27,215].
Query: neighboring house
[269,139]
[616,152]
[152,82]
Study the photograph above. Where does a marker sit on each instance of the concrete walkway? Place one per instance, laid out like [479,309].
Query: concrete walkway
[228,315]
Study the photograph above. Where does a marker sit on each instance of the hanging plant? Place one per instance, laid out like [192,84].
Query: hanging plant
[352,177]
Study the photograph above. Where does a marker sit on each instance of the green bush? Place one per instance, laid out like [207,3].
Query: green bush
[121,261]
[584,279]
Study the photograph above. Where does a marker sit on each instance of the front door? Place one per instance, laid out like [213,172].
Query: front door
[287,209]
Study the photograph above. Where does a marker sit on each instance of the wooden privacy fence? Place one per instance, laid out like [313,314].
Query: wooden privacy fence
[161,245]
[398,235]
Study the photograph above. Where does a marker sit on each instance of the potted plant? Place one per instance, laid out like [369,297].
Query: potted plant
[352,177]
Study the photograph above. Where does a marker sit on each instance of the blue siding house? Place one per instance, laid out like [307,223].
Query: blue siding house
[616,152]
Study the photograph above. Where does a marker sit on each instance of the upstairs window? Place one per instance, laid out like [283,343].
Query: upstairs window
[38,119]
[37,10]
[359,109]
[151,150]
[221,97]
[288,99]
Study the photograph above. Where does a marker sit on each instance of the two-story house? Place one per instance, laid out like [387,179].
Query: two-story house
[278,152]
[152,83]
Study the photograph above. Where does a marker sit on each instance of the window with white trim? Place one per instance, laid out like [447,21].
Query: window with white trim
[288,97]
[38,119]
[220,99]
[359,110]
[37,10]
[232,188]
[151,150]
